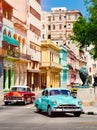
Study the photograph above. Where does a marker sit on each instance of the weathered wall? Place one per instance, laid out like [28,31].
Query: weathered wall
[87,95]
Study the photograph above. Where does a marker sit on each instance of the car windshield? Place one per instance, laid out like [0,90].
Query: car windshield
[59,92]
[55,92]
[18,89]
[65,92]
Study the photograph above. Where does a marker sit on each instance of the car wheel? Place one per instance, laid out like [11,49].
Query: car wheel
[37,109]
[77,114]
[49,112]
[25,102]
[6,103]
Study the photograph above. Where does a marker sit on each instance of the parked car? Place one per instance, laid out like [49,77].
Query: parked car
[58,100]
[19,94]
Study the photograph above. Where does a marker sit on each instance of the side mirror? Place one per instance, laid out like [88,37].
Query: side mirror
[74,95]
[46,94]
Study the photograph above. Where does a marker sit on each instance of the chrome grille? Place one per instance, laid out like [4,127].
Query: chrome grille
[13,98]
[67,106]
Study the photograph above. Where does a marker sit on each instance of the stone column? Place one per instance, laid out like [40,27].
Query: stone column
[48,78]
[12,78]
[6,79]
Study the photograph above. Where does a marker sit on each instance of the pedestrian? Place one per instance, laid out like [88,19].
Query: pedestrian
[51,86]
[33,87]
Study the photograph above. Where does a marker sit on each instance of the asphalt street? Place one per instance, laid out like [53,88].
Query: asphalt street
[19,117]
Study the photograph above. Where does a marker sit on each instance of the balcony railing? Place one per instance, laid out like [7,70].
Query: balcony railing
[51,64]
[25,56]
[3,52]
[19,55]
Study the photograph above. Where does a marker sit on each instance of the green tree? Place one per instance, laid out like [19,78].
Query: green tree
[85,29]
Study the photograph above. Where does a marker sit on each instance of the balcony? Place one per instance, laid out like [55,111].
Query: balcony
[8,23]
[20,24]
[18,55]
[51,64]
[3,52]
[25,56]
[10,40]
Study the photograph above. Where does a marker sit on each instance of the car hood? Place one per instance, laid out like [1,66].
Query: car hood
[64,99]
[14,93]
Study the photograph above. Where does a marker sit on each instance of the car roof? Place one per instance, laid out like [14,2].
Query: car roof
[22,86]
[61,88]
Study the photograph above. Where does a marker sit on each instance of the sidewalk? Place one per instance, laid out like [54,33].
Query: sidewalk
[90,110]
[38,93]
[2,104]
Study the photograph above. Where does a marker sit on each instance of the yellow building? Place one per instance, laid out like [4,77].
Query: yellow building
[50,67]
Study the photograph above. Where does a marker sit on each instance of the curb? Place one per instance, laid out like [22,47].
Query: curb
[90,113]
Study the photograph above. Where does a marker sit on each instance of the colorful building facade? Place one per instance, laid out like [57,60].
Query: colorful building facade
[63,62]
[50,68]
[10,44]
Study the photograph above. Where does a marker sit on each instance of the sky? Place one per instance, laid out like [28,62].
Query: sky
[69,4]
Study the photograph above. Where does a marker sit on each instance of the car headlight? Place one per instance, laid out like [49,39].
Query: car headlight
[54,102]
[79,102]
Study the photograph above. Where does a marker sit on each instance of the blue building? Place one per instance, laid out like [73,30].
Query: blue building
[63,62]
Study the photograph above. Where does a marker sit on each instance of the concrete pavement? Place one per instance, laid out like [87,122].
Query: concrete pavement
[90,109]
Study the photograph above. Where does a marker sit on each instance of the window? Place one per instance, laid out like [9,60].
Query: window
[35,13]
[53,18]
[49,18]
[64,26]
[60,17]
[9,34]
[43,36]
[54,27]
[60,26]
[49,27]
[43,26]
[69,26]
[49,36]
[76,16]
[65,92]
[5,32]
[69,17]
[46,93]
[54,92]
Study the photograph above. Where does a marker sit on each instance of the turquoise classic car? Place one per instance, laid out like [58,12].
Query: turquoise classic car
[58,100]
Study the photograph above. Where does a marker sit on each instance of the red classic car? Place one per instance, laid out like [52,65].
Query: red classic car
[19,94]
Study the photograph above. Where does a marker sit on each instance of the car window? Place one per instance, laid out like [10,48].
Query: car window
[19,89]
[46,93]
[14,89]
[54,92]
[65,92]
[28,90]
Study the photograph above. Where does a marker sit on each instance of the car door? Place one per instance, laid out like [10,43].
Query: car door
[44,100]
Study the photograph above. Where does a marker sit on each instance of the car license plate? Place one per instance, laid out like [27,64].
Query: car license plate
[58,109]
